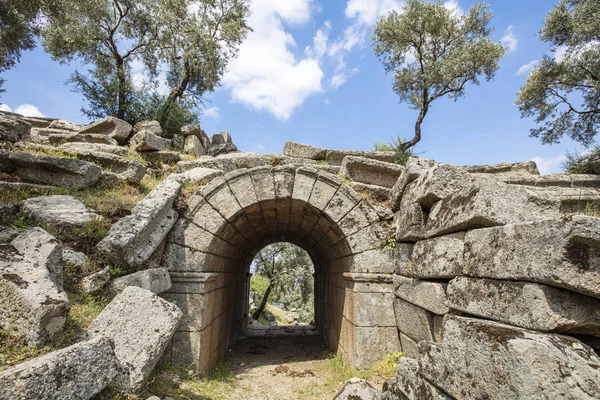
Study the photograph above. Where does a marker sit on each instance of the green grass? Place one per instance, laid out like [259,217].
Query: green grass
[14,350]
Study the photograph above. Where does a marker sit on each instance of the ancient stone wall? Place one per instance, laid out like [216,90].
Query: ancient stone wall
[497,283]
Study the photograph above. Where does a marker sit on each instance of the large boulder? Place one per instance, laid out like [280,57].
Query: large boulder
[57,171]
[141,324]
[77,372]
[13,129]
[374,172]
[300,150]
[156,280]
[59,210]
[133,239]
[487,360]
[32,303]
[528,305]
[110,126]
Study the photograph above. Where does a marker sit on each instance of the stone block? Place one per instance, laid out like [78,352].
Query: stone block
[77,372]
[146,141]
[13,129]
[409,223]
[438,258]
[141,325]
[428,295]
[110,126]
[366,170]
[130,171]
[134,238]
[61,124]
[483,359]
[413,321]
[299,150]
[155,280]
[96,281]
[335,157]
[57,171]
[32,305]
[193,146]
[58,210]
[560,252]
[527,305]
[149,126]
[358,389]
[94,148]
[521,168]
[409,384]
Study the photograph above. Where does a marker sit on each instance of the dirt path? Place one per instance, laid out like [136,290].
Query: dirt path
[276,366]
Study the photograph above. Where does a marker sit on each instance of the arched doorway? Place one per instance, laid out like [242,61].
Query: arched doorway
[211,247]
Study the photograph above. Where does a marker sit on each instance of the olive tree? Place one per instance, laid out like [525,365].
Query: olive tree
[198,47]
[109,35]
[435,51]
[563,91]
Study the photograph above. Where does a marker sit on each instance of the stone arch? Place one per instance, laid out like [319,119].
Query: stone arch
[210,248]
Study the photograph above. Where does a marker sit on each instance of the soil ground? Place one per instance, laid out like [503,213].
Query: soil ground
[274,364]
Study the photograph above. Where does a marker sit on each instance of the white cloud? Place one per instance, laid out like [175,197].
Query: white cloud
[319,47]
[326,102]
[5,107]
[526,68]
[551,165]
[212,112]
[28,110]
[367,12]
[342,74]
[510,40]
[266,75]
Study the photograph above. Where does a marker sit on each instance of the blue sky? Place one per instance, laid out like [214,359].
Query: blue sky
[308,74]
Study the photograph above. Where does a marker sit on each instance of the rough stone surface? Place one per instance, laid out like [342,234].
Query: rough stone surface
[522,168]
[428,295]
[299,150]
[133,239]
[130,171]
[528,305]
[481,359]
[193,146]
[56,138]
[335,157]
[410,385]
[413,321]
[561,252]
[358,389]
[436,258]
[200,176]
[226,163]
[374,172]
[74,258]
[7,210]
[589,164]
[156,280]
[61,124]
[96,281]
[374,193]
[158,158]
[13,129]
[220,149]
[111,126]
[77,372]
[94,148]
[32,303]
[141,325]
[488,202]
[43,250]
[149,126]
[146,141]
[61,210]
[58,171]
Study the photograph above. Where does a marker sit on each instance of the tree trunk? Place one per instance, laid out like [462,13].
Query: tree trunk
[172,98]
[263,303]
[122,88]
[417,138]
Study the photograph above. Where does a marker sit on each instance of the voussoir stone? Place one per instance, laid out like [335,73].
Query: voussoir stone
[366,170]
[78,372]
[134,238]
[110,126]
[141,324]
[60,210]
[33,305]
[58,171]
[525,304]
[299,150]
[13,129]
[156,280]
[358,389]
[482,359]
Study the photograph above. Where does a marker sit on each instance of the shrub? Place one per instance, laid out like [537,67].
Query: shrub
[395,145]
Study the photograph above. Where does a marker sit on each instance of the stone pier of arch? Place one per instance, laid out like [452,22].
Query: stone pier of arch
[211,246]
